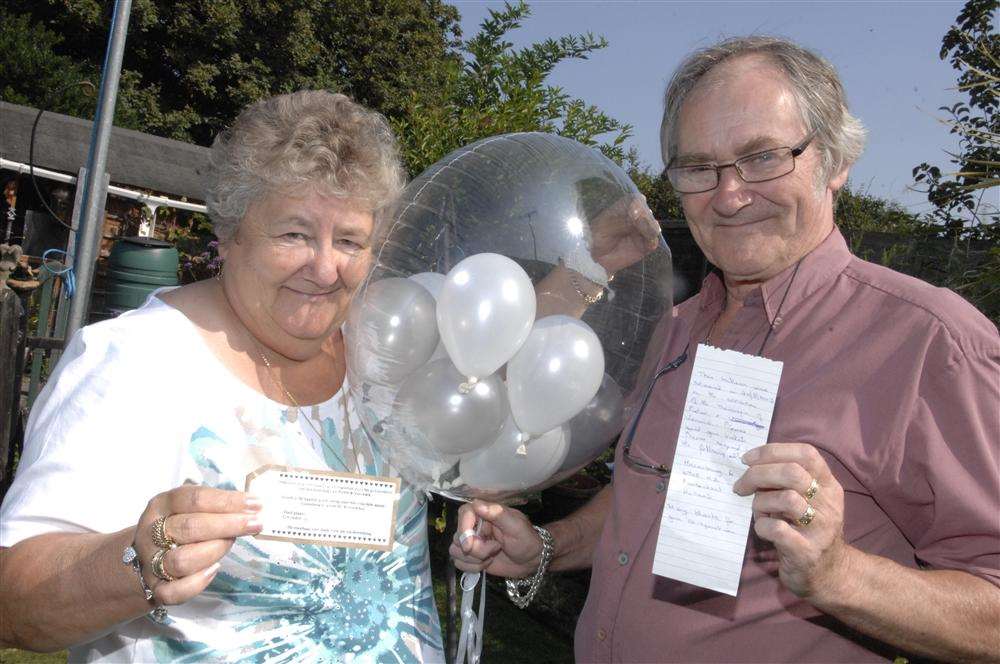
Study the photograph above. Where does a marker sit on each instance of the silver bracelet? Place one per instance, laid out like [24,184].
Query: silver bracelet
[131,559]
[533,583]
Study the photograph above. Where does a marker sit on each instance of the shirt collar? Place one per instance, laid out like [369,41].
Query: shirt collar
[815,270]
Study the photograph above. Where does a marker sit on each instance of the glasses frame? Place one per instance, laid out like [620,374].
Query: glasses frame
[795,152]
[634,461]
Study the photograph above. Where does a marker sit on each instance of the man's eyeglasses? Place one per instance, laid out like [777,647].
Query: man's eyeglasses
[633,460]
[756,167]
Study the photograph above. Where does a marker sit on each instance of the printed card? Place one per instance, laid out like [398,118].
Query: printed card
[326,507]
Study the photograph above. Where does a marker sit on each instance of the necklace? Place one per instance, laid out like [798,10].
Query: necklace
[309,422]
[770,325]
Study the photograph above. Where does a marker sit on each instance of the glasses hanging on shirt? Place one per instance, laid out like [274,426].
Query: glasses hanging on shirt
[634,460]
[644,466]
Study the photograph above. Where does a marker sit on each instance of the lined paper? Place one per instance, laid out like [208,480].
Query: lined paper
[704,526]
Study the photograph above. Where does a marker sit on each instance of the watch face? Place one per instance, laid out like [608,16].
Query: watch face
[128,555]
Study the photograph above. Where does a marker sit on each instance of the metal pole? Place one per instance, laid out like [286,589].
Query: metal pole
[95,191]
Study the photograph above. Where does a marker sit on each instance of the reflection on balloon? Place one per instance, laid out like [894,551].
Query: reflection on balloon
[554,374]
[485,312]
[500,468]
[594,428]
[436,414]
[391,330]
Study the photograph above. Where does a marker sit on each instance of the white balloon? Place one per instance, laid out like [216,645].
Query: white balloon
[435,412]
[485,312]
[500,468]
[391,331]
[433,282]
[555,374]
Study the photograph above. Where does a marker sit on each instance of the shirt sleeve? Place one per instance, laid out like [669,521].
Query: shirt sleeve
[950,461]
[89,459]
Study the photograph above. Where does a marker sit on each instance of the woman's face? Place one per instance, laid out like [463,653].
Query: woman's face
[293,265]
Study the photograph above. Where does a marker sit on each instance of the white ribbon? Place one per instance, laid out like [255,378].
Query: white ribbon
[470,642]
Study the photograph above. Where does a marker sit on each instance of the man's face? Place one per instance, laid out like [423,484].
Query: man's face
[752,231]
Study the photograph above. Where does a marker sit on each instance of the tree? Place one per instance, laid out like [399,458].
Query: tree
[961,204]
[496,89]
[191,66]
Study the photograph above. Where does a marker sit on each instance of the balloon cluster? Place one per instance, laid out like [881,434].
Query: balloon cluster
[512,298]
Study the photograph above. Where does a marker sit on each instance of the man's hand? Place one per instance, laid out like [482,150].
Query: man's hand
[624,233]
[812,557]
[506,544]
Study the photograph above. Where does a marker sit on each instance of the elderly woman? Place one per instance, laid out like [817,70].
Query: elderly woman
[152,421]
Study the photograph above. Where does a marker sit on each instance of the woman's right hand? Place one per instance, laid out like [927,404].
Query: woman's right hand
[204,522]
[506,545]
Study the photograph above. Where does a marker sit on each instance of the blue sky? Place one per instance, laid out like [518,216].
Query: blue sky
[886,52]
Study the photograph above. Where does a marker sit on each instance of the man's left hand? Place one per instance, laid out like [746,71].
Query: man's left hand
[624,233]
[812,556]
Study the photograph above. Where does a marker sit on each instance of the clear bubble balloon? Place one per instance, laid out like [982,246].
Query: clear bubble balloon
[584,246]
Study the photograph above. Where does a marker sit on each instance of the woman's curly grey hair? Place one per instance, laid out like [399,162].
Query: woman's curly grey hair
[306,138]
[840,136]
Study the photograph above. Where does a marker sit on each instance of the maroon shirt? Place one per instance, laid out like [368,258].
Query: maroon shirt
[896,382]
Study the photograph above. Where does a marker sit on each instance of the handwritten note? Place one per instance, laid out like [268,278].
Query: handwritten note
[704,526]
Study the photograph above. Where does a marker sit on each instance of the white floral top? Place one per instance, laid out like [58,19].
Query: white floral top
[138,405]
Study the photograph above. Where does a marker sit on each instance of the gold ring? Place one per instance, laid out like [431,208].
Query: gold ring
[160,536]
[803,520]
[812,490]
[157,564]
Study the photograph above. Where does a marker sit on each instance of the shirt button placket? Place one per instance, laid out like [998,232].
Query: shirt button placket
[623,558]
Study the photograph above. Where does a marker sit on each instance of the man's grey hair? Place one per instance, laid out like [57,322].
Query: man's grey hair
[840,137]
[291,142]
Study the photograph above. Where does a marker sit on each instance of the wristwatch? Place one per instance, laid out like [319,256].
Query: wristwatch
[130,558]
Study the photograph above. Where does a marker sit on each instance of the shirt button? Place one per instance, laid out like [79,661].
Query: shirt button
[777,321]
[661,486]
[601,634]
[623,558]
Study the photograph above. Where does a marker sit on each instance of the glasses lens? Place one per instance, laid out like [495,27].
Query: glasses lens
[693,179]
[766,165]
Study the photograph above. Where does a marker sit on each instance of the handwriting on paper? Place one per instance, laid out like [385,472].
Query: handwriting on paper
[704,526]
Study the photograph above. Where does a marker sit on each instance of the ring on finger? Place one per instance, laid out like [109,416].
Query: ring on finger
[160,537]
[807,516]
[464,535]
[157,565]
[812,490]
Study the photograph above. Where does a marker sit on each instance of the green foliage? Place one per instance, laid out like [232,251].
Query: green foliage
[860,212]
[31,71]
[191,66]
[962,204]
[660,196]
[494,88]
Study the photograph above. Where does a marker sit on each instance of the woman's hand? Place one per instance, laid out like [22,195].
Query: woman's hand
[204,522]
[624,233]
[506,544]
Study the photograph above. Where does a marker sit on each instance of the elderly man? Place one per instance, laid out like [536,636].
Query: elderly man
[876,517]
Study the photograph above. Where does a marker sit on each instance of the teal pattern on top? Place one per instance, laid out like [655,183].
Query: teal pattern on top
[283,602]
